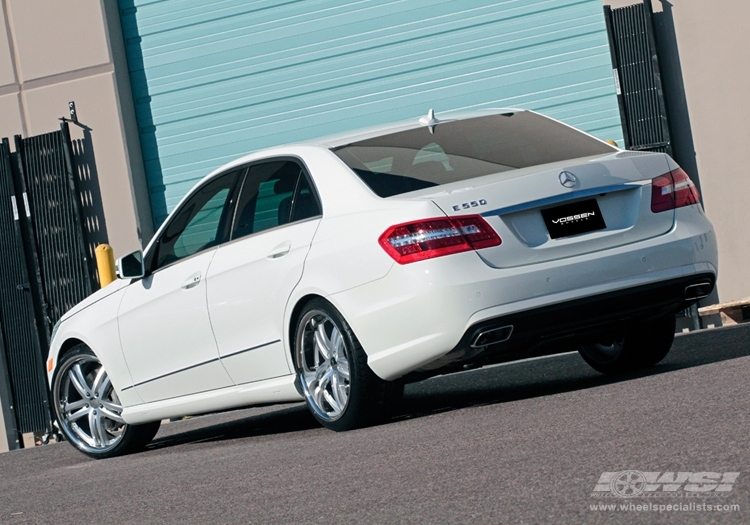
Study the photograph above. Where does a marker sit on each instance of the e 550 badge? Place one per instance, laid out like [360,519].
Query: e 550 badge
[469,205]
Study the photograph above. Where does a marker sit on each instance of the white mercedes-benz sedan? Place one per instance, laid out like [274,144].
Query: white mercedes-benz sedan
[335,271]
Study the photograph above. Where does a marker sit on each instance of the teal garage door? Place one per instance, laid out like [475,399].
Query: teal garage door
[213,80]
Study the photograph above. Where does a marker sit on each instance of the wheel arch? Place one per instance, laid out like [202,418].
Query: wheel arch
[294,317]
[67,346]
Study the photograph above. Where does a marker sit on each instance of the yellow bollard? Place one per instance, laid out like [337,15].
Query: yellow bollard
[105,263]
[612,143]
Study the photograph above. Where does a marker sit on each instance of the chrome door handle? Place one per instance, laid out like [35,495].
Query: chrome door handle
[280,250]
[191,281]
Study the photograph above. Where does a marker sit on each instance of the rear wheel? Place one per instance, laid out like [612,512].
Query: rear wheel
[339,388]
[640,346]
[89,411]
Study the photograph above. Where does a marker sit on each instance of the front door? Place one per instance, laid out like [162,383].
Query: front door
[165,330]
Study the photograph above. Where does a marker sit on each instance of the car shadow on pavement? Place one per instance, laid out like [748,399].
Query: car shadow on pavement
[231,425]
[499,384]
[561,373]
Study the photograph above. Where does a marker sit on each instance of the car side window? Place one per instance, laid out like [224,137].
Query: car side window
[202,222]
[305,204]
[274,193]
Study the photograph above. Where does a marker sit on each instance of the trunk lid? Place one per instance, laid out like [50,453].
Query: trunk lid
[528,206]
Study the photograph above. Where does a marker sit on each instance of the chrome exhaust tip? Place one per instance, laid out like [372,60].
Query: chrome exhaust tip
[698,291]
[489,337]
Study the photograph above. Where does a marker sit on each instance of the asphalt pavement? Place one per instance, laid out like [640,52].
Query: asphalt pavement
[541,441]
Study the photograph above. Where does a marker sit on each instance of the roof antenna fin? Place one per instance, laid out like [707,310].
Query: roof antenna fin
[430,121]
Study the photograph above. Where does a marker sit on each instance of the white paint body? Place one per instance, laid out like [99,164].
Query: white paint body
[218,335]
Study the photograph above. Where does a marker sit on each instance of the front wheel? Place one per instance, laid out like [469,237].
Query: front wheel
[338,386]
[89,411]
[640,346]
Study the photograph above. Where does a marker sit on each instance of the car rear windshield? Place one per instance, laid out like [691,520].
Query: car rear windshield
[464,149]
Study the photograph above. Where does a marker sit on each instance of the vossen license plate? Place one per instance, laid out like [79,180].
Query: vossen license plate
[572,219]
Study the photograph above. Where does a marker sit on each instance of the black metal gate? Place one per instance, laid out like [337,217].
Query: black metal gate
[637,77]
[55,220]
[19,329]
[45,266]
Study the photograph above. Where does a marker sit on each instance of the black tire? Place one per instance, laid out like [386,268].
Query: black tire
[88,409]
[640,346]
[338,386]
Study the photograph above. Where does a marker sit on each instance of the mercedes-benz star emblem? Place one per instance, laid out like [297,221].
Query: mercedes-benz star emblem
[567,179]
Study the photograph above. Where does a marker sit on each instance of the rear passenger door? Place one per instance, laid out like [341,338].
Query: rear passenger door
[252,276]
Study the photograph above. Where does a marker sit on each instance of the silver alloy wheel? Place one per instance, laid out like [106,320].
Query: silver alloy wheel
[323,362]
[87,406]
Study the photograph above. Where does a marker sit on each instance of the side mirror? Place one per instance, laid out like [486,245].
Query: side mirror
[130,266]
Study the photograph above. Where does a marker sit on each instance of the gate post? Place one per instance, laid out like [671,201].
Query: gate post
[9,436]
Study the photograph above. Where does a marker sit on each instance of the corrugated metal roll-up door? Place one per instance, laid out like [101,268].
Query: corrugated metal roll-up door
[213,80]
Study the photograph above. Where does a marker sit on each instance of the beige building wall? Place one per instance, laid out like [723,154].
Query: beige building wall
[54,52]
[713,119]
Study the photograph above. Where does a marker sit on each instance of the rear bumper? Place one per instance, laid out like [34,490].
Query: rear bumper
[574,322]
[425,316]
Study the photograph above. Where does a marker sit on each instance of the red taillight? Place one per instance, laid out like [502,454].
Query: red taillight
[673,190]
[428,238]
